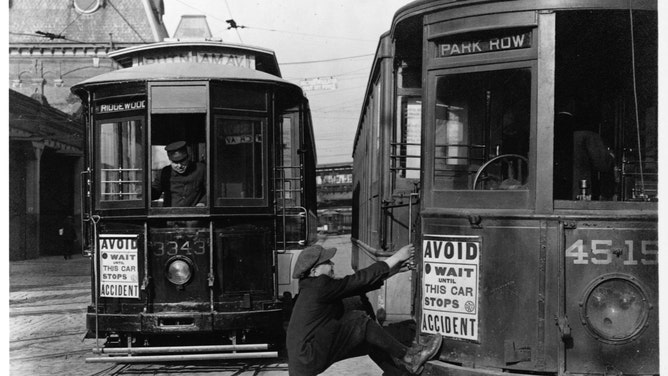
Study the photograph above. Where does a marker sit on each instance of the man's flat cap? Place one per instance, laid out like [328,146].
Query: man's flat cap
[174,146]
[310,257]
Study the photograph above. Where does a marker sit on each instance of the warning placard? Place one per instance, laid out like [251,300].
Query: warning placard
[450,267]
[119,274]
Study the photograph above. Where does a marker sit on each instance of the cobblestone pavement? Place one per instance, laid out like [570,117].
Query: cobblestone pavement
[47,304]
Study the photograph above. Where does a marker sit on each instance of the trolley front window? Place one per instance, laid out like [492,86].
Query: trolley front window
[120,162]
[482,130]
[240,160]
[605,126]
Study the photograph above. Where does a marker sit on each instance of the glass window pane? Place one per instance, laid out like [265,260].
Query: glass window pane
[239,158]
[238,98]
[288,172]
[605,140]
[407,147]
[121,159]
[482,130]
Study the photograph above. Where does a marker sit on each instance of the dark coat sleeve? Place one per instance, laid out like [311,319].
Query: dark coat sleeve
[160,185]
[367,279]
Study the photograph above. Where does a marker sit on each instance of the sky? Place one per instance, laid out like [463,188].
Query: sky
[341,35]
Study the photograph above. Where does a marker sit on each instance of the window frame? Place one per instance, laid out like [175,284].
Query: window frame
[402,184]
[120,204]
[570,205]
[266,140]
[194,106]
[296,165]
[492,199]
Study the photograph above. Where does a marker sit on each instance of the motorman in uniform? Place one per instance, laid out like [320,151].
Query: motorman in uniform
[183,182]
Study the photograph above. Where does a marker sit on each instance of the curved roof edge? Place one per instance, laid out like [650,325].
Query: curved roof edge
[182,71]
[177,43]
[421,7]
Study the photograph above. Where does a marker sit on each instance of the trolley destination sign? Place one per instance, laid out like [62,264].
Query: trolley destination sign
[119,273]
[209,57]
[451,267]
[456,47]
[133,105]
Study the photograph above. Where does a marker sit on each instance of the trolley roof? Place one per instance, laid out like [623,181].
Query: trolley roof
[171,44]
[166,50]
[181,72]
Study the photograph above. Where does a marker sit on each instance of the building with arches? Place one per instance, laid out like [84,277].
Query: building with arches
[54,44]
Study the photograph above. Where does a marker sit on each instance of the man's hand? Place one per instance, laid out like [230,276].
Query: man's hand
[404,254]
[200,204]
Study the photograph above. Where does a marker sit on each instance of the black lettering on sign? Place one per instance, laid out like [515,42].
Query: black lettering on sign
[118,243]
[448,250]
[119,290]
[461,327]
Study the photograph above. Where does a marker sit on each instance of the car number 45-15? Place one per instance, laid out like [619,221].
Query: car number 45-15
[602,252]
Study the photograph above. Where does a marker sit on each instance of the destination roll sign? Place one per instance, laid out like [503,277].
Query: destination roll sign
[475,44]
[137,104]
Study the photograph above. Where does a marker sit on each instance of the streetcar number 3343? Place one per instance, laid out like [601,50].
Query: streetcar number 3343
[172,248]
[602,252]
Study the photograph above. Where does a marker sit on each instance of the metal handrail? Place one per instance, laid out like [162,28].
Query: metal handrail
[121,169]
[120,181]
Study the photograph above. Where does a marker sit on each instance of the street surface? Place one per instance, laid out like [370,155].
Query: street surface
[47,305]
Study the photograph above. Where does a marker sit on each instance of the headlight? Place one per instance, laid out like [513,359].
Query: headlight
[615,309]
[179,271]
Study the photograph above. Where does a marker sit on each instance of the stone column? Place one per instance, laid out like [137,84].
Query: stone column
[32,201]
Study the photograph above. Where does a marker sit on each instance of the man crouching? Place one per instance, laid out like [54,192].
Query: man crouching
[320,333]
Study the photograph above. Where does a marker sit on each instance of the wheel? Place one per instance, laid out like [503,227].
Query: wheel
[514,176]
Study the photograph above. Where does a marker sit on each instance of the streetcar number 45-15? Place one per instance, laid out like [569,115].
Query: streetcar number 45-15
[601,252]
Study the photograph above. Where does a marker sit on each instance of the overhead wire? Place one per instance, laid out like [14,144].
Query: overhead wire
[334,91]
[65,28]
[326,60]
[232,17]
[60,35]
[635,103]
[329,75]
[311,35]
[110,2]
[274,30]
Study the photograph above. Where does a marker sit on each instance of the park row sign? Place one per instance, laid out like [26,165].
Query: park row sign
[473,45]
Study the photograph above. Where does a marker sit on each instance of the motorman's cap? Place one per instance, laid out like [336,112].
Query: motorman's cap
[174,146]
[176,151]
[310,257]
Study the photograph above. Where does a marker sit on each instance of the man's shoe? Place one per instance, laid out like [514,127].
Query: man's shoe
[419,354]
[430,349]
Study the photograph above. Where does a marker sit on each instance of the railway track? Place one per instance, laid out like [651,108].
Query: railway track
[48,302]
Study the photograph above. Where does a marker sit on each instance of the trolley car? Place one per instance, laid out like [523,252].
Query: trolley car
[215,275]
[515,144]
